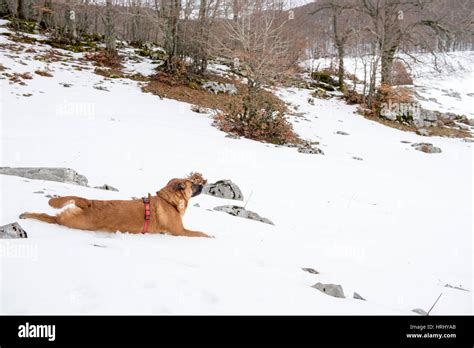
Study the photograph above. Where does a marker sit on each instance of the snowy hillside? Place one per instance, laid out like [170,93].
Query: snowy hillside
[372,214]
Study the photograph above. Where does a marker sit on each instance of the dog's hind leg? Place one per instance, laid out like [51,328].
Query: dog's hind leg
[60,202]
[42,217]
[189,233]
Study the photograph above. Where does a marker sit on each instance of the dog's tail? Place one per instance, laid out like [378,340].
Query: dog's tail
[60,202]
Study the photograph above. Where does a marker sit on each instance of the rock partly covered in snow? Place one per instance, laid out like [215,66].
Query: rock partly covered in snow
[223,189]
[242,212]
[311,149]
[65,175]
[310,270]
[358,297]
[419,311]
[217,87]
[106,187]
[426,147]
[330,289]
[13,230]
[422,131]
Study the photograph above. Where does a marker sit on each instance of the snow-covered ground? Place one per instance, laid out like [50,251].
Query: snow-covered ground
[395,227]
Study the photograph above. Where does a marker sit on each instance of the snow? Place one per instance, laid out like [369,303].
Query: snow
[394,227]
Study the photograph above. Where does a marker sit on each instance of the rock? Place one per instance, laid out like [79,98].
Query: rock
[357,158]
[223,189]
[419,311]
[388,115]
[330,289]
[38,192]
[199,109]
[101,88]
[426,147]
[66,175]
[67,85]
[310,270]
[455,287]
[106,187]
[310,149]
[12,231]
[242,212]
[197,205]
[358,297]
[471,122]
[423,132]
[342,133]
[232,136]
[311,101]
[405,142]
[217,87]
[423,118]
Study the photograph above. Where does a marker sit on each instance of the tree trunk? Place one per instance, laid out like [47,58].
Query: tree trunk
[387,64]
[110,45]
[340,71]
[4,9]
[71,31]
[20,9]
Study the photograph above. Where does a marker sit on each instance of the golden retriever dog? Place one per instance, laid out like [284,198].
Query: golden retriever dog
[156,214]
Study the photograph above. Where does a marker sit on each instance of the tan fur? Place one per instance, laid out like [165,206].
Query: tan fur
[167,209]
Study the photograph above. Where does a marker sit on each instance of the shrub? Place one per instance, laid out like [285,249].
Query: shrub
[400,75]
[323,76]
[267,123]
[101,58]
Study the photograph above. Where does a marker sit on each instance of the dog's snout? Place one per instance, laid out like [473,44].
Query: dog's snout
[197,189]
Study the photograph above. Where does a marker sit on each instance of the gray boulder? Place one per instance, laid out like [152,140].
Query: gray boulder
[330,289]
[426,147]
[310,270]
[419,311]
[223,189]
[242,212]
[217,87]
[11,231]
[422,131]
[310,149]
[66,175]
[358,297]
[106,187]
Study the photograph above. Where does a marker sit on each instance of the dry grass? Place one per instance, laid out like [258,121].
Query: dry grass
[190,92]
[44,73]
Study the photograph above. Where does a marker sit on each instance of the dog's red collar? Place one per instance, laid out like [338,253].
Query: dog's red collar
[146,201]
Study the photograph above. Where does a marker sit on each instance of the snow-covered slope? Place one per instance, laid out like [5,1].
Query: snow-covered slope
[394,227]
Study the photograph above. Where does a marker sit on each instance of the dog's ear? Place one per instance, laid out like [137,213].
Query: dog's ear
[179,186]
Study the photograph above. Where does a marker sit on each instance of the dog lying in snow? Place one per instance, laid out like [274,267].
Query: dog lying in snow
[155,214]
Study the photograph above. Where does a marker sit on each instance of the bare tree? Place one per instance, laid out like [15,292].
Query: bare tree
[340,12]
[393,22]
[255,40]
[109,24]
